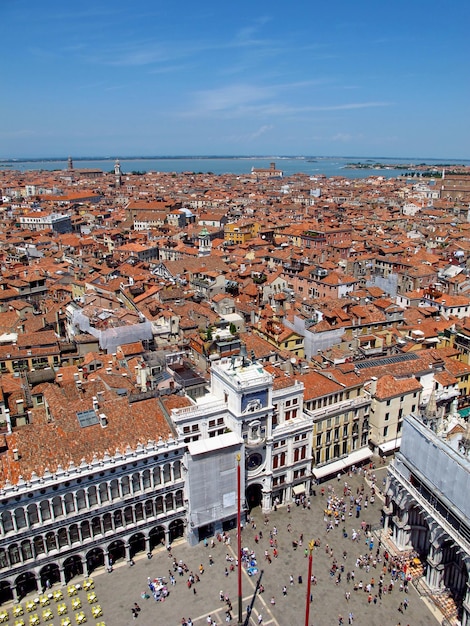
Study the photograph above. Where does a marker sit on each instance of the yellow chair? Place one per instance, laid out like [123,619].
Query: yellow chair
[91,597]
[62,608]
[47,614]
[34,619]
[4,617]
[76,604]
[58,595]
[44,601]
[88,584]
[100,624]
[80,617]
[96,611]
[30,606]
[18,610]
[19,622]
[65,621]
[72,590]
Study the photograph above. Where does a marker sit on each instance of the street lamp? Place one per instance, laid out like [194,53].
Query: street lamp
[311,546]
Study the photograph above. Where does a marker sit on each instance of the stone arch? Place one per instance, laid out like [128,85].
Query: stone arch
[26,583]
[117,550]
[254,495]
[176,529]
[94,559]
[157,537]
[73,566]
[49,575]
[6,592]
[136,544]
[419,530]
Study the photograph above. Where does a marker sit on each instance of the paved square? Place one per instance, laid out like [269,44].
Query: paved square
[119,590]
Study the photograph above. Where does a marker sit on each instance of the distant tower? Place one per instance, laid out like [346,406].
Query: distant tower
[117,173]
[70,163]
[205,244]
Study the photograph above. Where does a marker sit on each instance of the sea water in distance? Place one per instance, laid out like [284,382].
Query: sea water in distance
[313,166]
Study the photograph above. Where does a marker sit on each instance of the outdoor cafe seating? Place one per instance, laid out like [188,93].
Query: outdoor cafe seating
[47,614]
[91,597]
[62,608]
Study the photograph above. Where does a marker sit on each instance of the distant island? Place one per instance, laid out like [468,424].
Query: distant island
[423,169]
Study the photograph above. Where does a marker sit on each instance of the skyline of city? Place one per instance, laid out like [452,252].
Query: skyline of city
[332,80]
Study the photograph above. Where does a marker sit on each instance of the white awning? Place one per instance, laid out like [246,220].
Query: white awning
[357,456]
[388,446]
[297,490]
[327,470]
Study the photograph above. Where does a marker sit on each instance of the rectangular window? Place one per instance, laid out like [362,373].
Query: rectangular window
[385,431]
[387,416]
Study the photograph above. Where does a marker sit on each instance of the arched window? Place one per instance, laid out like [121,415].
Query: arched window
[169,505]
[104,495]
[146,480]
[20,518]
[26,550]
[74,534]
[136,483]
[92,496]
[177,469]
[63,537]
[128,515]
[167,473]
[38,543]
[159,504]
[96,526]
[51,542]
[57,506]
[69,503]
[149,512]
[114,487]
[107,522]
[179,498]
[117,519]
[7,521]
[33,515]
[85,530]
[157,478]
[81,500]
[3,559]
[14,554]
[139,512]
[125,486]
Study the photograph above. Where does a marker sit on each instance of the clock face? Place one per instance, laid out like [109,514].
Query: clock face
[254,460]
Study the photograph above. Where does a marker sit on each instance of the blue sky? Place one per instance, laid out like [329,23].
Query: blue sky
[114,78]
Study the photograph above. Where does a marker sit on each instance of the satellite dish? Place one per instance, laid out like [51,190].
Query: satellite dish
[293,360]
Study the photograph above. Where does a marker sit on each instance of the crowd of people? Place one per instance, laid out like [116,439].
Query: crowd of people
[356,562]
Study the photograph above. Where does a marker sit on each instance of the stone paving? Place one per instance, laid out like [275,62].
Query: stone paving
[117,591]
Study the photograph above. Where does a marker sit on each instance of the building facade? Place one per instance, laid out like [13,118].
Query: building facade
[427,508]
